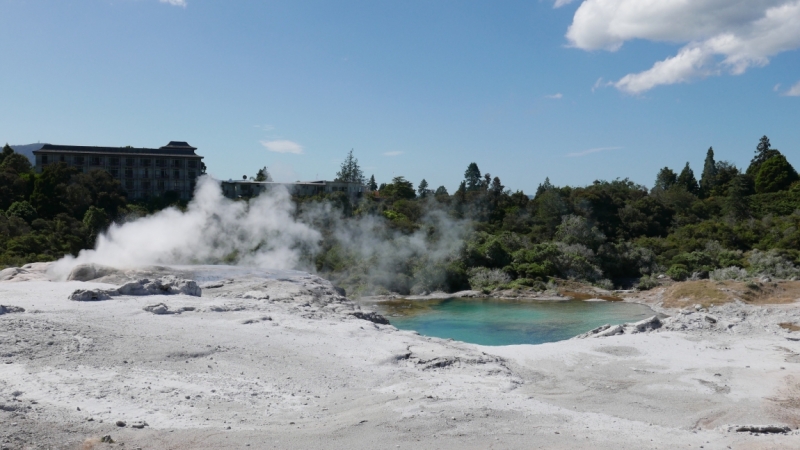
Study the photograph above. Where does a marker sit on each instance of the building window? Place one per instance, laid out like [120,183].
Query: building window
[113,161]
[177,163]
[176,174]
[79,160]
[146,173]
[95,160]
[193,164]
[129,162]
[62,158]
[146,185]
[161,163]
[44,159]
[192,174]
[129,184]
[160,185]
[114,172]
[128,173]
[145,162]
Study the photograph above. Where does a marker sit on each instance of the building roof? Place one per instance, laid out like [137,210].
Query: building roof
[174,148]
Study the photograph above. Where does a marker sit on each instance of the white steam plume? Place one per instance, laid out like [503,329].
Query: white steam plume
[260,233]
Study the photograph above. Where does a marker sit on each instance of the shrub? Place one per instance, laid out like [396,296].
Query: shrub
[771,263]
[678,272]
[605,283]
[483,278]
[728,273]
[646,283]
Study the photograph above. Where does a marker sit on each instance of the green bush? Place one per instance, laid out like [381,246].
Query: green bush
[678,272]
[646,283]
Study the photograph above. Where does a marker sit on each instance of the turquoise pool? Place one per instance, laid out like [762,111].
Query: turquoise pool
[489,321]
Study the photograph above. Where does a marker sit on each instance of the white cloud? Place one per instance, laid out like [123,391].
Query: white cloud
[794,91]
[590,151]
[174,2]
[283,146]
[394,153]
[556,96]
[719,36]
[560,3]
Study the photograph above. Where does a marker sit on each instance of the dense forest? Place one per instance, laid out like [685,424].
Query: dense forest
[728,224]
[725,223]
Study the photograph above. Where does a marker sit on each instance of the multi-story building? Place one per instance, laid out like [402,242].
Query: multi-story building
[244,188]
[143,172]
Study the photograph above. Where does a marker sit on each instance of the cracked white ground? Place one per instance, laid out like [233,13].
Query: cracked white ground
[275,359]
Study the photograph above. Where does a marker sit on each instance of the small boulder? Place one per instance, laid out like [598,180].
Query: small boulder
[371,316]
[10,309]
[649,324]
[88,272]
[89,295]
[611,331]
[158,309]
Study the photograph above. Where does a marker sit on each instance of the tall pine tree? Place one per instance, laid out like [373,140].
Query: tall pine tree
[350,171]
[709,177]
[687,180]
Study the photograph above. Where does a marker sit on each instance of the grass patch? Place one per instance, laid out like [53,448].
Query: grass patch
[789,326]
[707,292]
[703,292]
[586,296]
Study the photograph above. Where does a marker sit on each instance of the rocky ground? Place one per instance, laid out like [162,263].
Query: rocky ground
[281,359]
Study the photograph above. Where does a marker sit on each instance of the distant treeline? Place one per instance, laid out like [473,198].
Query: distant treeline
[728,223]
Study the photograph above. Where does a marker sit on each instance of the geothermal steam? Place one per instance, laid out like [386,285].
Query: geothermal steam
[213,229]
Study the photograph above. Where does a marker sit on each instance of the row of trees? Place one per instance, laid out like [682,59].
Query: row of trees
[415,238]
[609,232]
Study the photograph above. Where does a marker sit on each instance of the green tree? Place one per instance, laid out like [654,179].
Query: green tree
[764,151]
[7,151]
[372,184]
[775,174]
[95,220]
[544,187]
[23,210]
[441,191]
[50,189]
[665,179]
[263,175]
[472,177]
[687,180]
[737,204]
[726,172]
[708,179]
[16,162]
[422,189]
[399,188]
[350,171]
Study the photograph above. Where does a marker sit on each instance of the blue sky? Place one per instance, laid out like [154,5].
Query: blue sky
[417,88]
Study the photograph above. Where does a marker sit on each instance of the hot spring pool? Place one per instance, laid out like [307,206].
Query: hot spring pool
[488,321]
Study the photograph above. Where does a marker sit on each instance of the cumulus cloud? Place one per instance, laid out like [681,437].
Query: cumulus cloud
[283,146]
[794,91]
[174,2]
[719,36]
[393,153]
[557,96]
[590,151]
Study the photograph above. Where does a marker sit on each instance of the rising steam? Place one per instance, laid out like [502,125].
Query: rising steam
[213,229]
